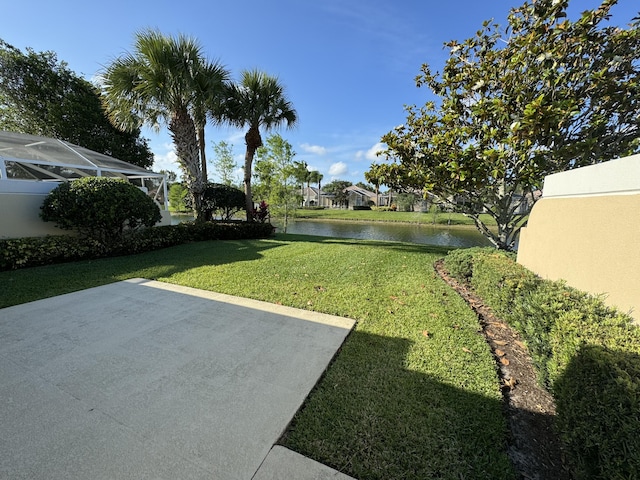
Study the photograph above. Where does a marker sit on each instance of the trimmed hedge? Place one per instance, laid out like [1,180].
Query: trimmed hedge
[586,353]
[30,252]
[101,208]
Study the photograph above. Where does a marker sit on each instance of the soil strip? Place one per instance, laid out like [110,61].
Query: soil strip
[533,445]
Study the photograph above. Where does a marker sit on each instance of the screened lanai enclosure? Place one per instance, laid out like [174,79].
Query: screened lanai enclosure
[32,166]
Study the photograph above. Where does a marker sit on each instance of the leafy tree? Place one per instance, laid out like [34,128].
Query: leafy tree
[167,79]
[257,101]
[365,186]
[264,174]
[40,96]
[224,200]
[276,169]
[406,202]
[301,172]
[543,95]
[224,163]
[100,208]
[178,194]
[338,189]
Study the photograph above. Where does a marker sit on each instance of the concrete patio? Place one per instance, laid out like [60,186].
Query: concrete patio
[142,379]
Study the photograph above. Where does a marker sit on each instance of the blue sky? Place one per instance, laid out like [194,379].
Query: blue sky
[348,65]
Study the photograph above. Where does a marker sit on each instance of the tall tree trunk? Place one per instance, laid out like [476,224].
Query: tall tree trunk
[253,141]
[203,156]
[183,134]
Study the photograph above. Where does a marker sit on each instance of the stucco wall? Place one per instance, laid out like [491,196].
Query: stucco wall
[586,230]
[19,216]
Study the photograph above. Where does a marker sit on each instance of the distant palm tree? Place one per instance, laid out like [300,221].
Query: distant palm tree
[166,79]
[257,101]
[315,177]
[375,175]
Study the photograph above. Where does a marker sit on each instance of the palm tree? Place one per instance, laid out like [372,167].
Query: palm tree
[257,101]
[166,79]
[315,177]
[301,174]
[375,175]
[209,94]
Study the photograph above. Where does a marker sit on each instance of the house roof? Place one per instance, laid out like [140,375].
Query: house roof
[360,191]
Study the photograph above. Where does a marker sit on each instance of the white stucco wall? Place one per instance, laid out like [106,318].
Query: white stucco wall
[20,204]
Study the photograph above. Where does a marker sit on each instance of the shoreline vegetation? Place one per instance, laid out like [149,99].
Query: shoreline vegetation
[425,218]
[439,219]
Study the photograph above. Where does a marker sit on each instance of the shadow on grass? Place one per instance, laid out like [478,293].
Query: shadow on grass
[20,286]
[388,244]
[370,417]
[598,404]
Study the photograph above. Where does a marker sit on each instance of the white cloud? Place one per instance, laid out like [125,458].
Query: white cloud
[166,159]
[370,154]
[338,168]
[315,149]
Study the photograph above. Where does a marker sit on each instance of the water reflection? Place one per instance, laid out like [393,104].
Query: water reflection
[400,232]
[397,232]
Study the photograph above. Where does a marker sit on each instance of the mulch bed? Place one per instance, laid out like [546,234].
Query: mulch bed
[533,445]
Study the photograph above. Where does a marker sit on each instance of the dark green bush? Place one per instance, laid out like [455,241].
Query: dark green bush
[30,252]
[459,263]
[587,353]
[362,207]
[598,409]
[220,199]
[100,208]
[501,282]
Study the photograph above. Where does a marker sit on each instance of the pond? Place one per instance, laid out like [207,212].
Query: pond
[400,232]
[457,236]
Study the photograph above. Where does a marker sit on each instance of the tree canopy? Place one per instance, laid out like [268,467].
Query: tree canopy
[514,104]
[40,95]
[258,101]
[224,163]
[167,79]
[276,174]
[337,188]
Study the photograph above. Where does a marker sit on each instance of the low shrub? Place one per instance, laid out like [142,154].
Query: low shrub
[501,282]
[30,252]
[585,352]
[362,207]
[459,262]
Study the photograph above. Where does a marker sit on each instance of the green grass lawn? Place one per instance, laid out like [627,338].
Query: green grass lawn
[380,216]
[412,394]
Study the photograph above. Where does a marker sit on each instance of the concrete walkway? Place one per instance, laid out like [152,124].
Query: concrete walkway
[146,380]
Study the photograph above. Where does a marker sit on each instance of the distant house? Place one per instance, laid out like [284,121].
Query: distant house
[314,197]
[360,197]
